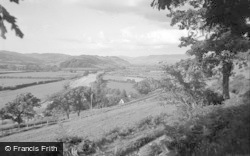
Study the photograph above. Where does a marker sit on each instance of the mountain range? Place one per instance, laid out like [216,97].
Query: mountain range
[61,60]
[84,61]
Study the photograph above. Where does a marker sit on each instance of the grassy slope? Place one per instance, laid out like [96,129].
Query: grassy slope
[96,123]
[227,131]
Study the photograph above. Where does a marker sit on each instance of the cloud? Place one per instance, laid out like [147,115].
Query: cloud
[137,7]
[131,42]
[156,37]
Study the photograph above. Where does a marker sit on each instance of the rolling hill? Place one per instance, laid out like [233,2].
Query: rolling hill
[62,60]
[50,58]
[90,61]
[7,57]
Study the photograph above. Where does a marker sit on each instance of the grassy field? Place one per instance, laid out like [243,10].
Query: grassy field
[121,78]
[138,72]
[128,87]
[15,81]
[95,123]
[61,74]
[40,91]
[43,90]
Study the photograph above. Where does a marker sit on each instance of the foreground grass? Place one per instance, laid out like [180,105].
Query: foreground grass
[96,123]
[213,130]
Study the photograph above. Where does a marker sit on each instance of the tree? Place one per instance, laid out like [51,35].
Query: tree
[99,90]
[2,114]
[147,85]
[21,107]
[90,96]
[218,31]
[76,99]
[61,102]
[124,94]
[80,98]
[143,87]
[184,84]
[6,16]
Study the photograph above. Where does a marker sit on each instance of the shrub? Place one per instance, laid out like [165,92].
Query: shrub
[74,140]
[86,147]
[147,85]
[246,97]
[212,97]
[222,131]
[239,85]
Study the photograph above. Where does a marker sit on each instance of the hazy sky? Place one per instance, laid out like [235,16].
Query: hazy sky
[94,27]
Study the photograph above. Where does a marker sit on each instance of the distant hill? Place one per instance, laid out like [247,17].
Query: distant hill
[50,58]
[84,61]
[7,57]
[155,59]
[90,61]
[62,60]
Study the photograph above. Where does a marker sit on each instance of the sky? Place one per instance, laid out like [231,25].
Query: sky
[91,27]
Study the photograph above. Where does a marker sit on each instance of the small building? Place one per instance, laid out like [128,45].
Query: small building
[122,101]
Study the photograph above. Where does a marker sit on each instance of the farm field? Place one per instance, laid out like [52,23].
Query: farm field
[9,71]
[40,91]
[98,123]
[43,90]
[128,87]
[121,78]
[7,82]
[59,74]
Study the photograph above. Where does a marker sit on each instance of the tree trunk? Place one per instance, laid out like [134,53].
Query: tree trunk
[67,113]
[226,72]
[225,85]
[91,101]
[19,120]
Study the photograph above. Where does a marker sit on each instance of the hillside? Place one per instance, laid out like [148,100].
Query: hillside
[62,60]
[89,61]
[154,59]
[50,58]
[97,122]
[7,57]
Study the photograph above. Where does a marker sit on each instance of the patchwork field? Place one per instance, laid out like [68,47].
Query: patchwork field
[40,91]
[59,74]
[128,87]
[15,81]
[95,123]
[121,78]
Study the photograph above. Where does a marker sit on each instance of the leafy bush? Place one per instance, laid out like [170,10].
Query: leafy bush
[70,139]
[222,131]
[212,97]
[147,85]
[239,85]
[246,97]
